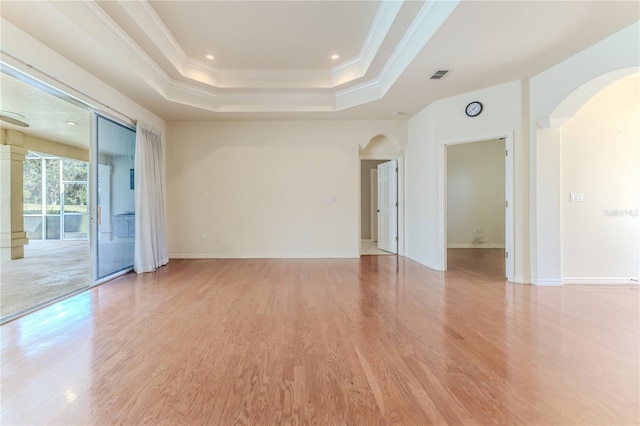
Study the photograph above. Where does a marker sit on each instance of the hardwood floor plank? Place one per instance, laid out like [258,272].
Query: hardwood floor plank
[377,340]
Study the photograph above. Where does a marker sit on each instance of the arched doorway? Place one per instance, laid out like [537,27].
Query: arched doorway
[574,219]
[380,151]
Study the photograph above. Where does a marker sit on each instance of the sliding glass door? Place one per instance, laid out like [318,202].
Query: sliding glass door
[114,208]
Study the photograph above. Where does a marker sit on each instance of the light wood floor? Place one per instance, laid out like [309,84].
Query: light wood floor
[379,340]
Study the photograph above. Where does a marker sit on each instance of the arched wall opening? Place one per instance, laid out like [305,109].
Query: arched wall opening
[587,169]
[378,149]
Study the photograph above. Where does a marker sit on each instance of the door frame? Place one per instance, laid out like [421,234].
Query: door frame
[388,206]
[93,194]
[400,158]
[373,205]
[509,218]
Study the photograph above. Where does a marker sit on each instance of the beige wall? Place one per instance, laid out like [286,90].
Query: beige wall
[475,194]
[600,157]
[257,189]
[35,143]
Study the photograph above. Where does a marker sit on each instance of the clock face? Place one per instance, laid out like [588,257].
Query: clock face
[473,109]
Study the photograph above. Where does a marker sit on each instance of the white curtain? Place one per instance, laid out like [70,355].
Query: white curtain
[151,234]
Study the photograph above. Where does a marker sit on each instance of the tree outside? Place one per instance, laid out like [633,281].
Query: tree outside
[74,189]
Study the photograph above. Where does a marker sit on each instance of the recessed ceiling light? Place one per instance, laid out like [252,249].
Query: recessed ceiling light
[72,123]
[397,113]
[335,56]
[209,57]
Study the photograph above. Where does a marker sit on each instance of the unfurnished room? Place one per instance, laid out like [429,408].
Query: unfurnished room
[320,212]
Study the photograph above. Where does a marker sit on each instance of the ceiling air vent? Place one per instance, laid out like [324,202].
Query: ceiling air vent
[439,74]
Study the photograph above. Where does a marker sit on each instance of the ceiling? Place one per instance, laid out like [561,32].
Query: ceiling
[273,59]
[48,115]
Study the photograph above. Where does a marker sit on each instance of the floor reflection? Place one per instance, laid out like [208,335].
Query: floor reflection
[388,340]
[53,326]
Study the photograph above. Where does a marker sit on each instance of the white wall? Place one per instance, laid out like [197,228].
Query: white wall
[600,157]
[444,122]
[555,95]
[476,194]
[256,188]
[533,110]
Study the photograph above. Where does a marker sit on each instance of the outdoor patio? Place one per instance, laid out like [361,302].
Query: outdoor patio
[50,269]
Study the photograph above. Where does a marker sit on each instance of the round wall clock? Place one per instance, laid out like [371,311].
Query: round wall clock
[473,109]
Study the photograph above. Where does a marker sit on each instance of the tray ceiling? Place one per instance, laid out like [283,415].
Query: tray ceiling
[272,59]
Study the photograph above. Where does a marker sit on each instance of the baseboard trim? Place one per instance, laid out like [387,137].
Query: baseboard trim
[600,281]
[521,280]
[547,283]
[476,246]
[259,256]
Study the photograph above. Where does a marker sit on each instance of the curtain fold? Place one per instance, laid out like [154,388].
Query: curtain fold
[151,235]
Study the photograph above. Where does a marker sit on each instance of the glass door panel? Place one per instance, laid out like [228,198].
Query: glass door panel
[115,202]
[76,211]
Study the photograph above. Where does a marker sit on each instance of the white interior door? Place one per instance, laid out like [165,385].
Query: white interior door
[374,204]
[388,206]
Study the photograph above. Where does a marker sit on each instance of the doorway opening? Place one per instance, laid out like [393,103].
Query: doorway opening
[44,166]
[378,207]
[68,172]
[477,206]
[381,162]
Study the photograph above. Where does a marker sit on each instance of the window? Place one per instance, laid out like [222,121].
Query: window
[55,198]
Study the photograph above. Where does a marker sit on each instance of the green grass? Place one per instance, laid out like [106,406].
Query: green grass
[53,209]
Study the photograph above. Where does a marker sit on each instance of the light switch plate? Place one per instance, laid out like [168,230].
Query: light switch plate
[577,196]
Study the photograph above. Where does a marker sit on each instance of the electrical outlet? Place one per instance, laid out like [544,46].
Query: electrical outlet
[203,236]
[307,235]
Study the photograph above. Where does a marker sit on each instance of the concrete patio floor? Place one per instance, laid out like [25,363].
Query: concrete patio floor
[50,269]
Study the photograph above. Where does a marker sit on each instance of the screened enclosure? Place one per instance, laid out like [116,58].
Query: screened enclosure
[56,202]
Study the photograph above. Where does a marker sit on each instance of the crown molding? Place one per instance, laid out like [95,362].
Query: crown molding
[145,17]
[100,24]
[156,77]
[259,90]
[357,67]
[187,94]
[431,17]
[149,21]
[263,78]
